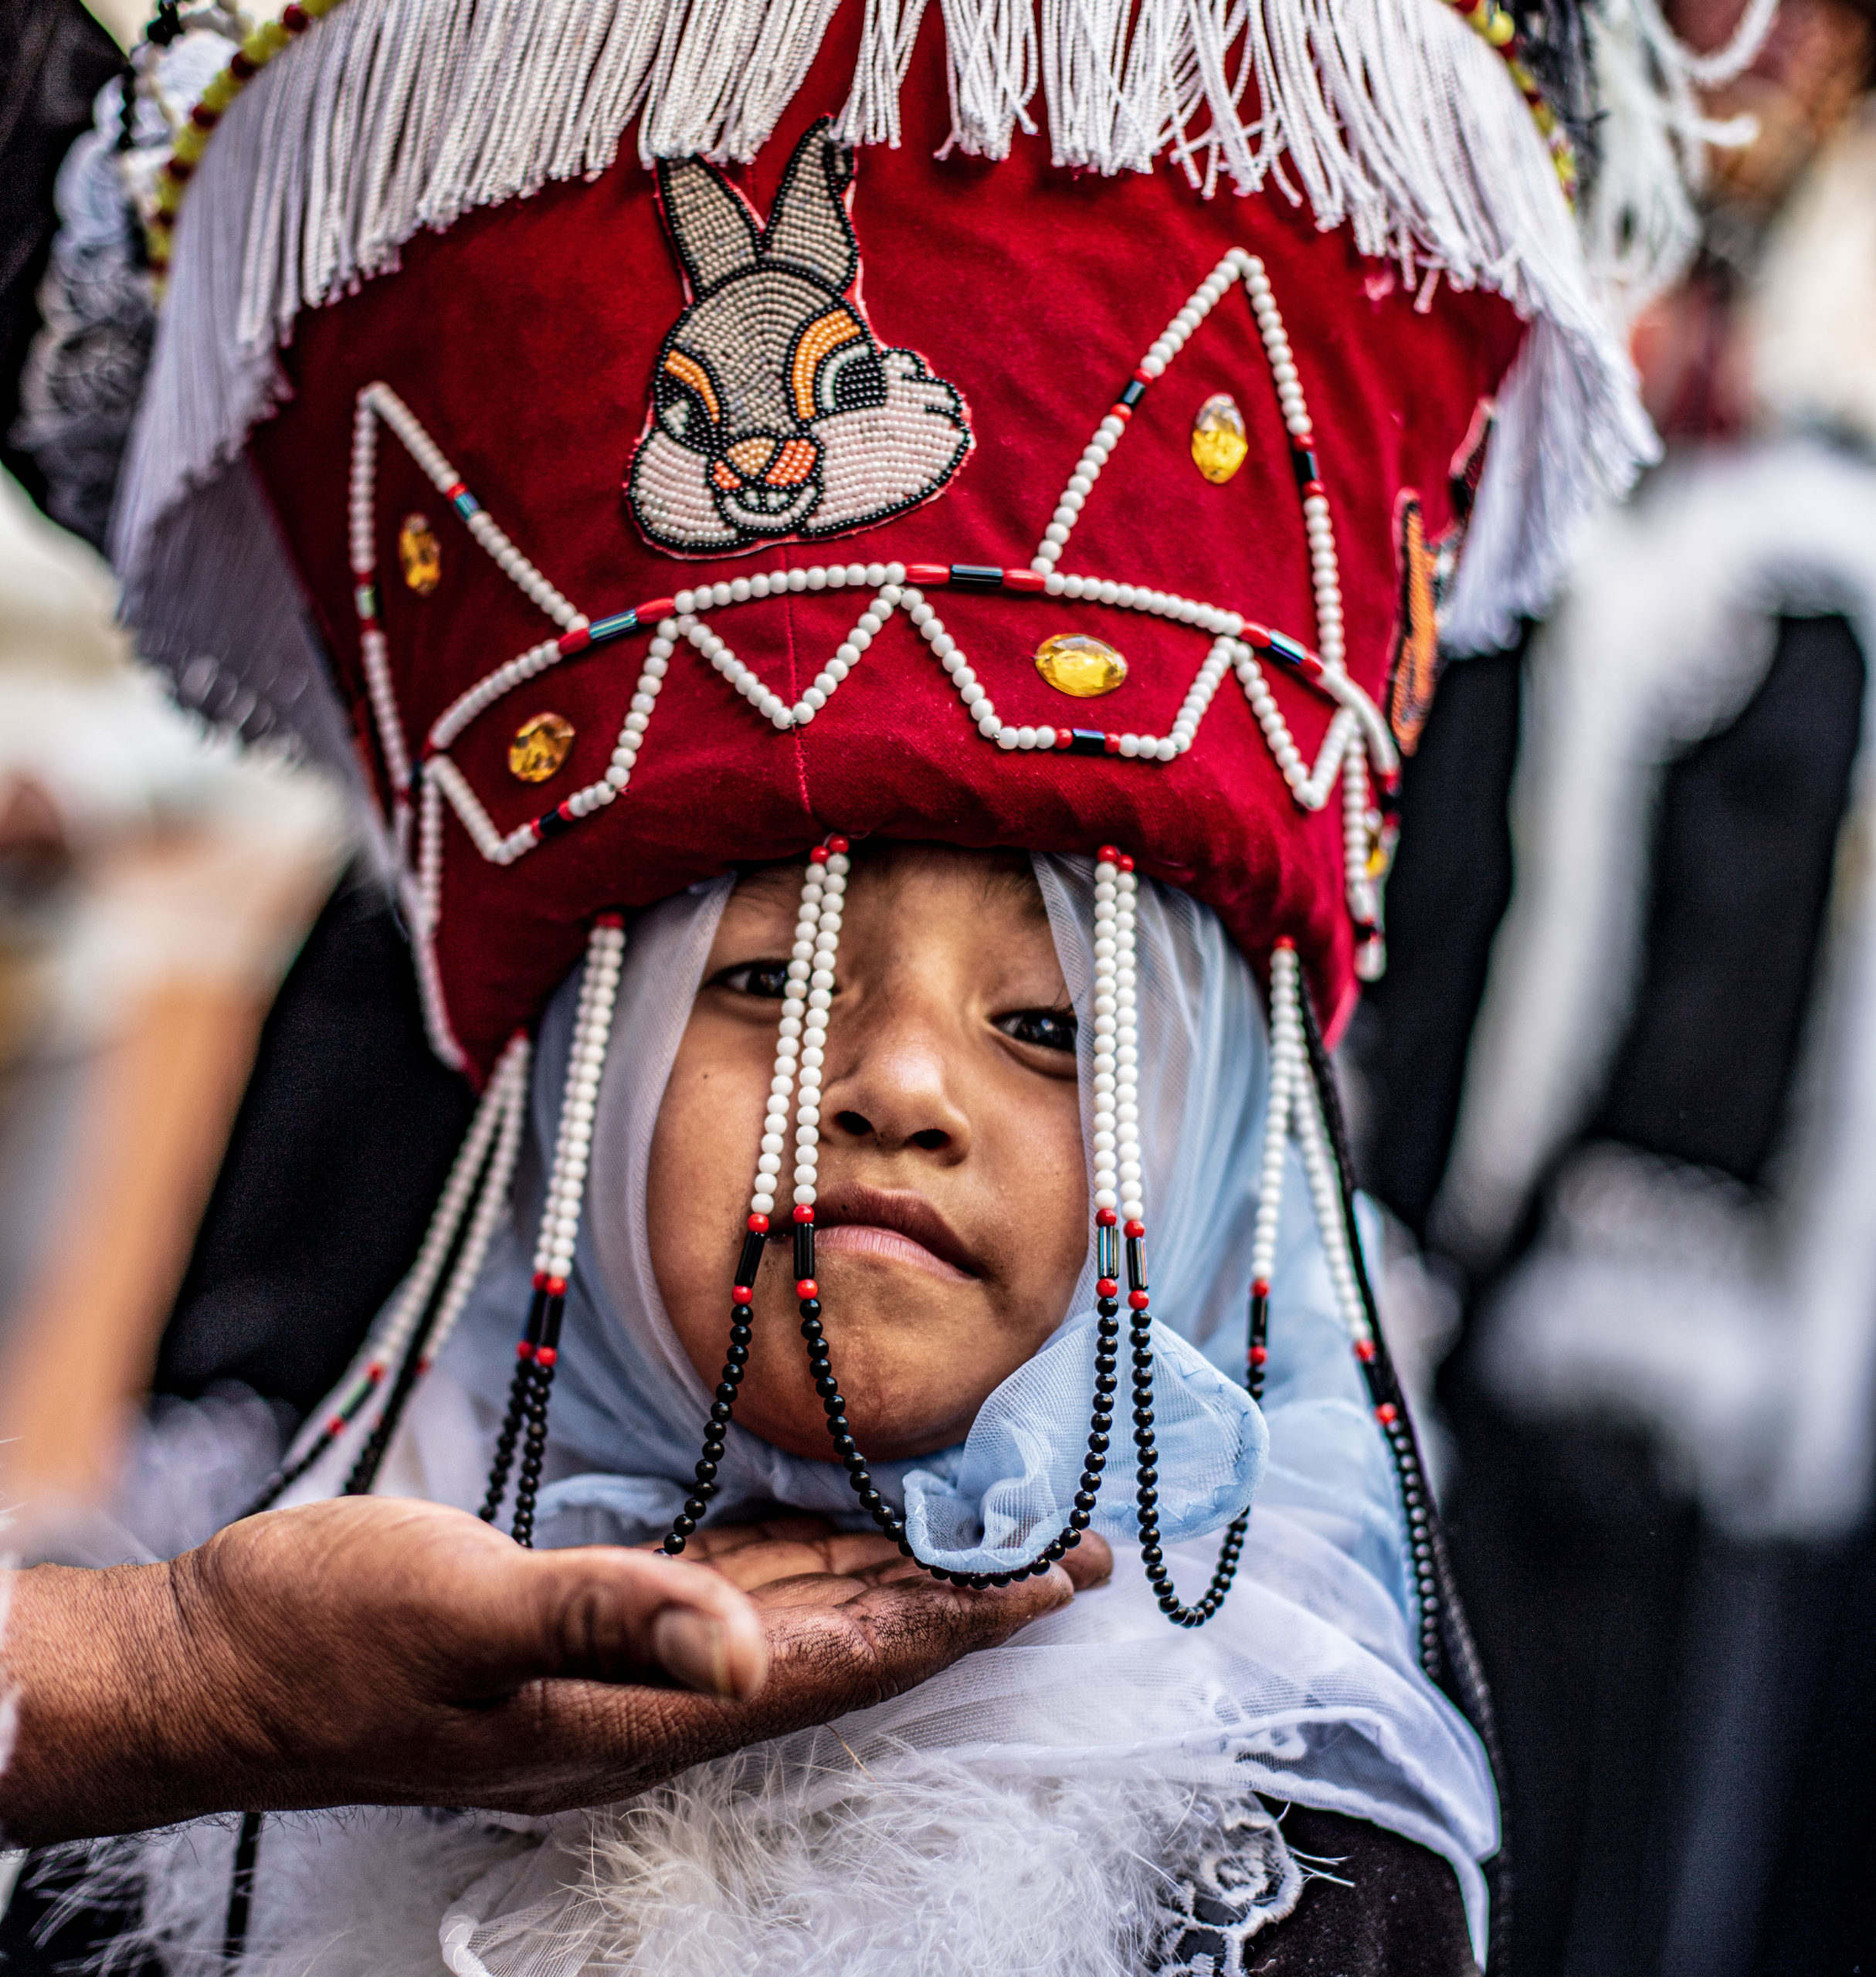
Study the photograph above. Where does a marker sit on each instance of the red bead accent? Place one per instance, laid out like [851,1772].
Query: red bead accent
[1313,487]
[555,1286]
[1135,1229]
[454,488]
[804,1211]
[374,1372]
[1112,743]
[1259,1354]
[545,1355]
[1106,1217]
[1259,1287]
[1364,1350]
[806,1287]
[608,919]
[564,811]
[1024,580]
[928,573]
[650,611]
[1107,1287]
[1141,377]
[1139,1300]
[296,20]
[336,1426]
[179,169]
[1122,412]
[1257,635]
[204,118]
[757,1225]
[523,1350]
[819,855]
[1064,738]
[569,642]
[1387,1413]
[1107,854]
[538,1281]
[1127,863]
[242,67]
[838,845]
[740,1293]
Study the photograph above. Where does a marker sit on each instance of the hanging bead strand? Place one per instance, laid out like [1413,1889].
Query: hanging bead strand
[393,1343]
[1287,1070]
[538,1352]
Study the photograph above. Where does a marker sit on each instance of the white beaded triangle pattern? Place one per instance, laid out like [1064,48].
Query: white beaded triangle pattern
[1117,1171]
[1236,266]
[802,1040]
[592,1025]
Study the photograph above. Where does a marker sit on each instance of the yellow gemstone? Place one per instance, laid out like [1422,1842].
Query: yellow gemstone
[1218,442]
[421,555]
[539,747]
[1082,667]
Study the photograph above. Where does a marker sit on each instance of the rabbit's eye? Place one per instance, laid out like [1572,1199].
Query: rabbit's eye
[850,380]
[687,402]
[835,367]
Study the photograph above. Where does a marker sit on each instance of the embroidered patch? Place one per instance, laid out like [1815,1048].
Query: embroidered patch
[776,415]
[1413,668]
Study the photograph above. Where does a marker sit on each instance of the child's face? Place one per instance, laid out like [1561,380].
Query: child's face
[952,1217]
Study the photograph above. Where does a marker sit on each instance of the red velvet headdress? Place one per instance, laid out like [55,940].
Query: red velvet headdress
[661,520]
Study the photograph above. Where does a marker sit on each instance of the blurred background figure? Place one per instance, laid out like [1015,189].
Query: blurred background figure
[155,882]
[154,885]
[1620,1095]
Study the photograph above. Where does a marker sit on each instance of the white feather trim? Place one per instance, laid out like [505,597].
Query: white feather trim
[785,1860]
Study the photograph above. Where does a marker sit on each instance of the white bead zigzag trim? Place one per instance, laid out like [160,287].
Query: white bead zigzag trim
[1357,736]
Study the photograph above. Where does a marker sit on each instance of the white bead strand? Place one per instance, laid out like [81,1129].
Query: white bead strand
[1106,1022]
[592,1025]
[777,1119]
[1126,1052]
[1288,1071]
[1325,1195]
[826,947]
[490,1208]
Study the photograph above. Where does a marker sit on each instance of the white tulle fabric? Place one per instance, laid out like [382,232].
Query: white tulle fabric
[1305,1685]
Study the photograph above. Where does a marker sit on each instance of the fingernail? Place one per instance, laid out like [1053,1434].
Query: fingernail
[694,1648]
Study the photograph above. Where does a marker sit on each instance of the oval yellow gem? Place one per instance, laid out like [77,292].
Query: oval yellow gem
[539,747]
[420,554]
[1218,442]
[1073,663]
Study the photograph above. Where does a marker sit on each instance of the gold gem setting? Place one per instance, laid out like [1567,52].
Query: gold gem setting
[1084,668]
[540,748]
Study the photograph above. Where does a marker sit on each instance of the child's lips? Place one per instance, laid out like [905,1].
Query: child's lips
[867,1239]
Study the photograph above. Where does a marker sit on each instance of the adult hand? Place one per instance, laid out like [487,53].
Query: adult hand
[380,1651]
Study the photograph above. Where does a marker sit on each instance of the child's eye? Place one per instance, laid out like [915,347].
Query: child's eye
[755,977]
[1050,1030]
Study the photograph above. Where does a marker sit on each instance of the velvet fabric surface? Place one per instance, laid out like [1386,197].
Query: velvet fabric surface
[526,339]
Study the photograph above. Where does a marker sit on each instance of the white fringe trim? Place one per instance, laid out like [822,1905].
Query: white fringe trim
[1392,117]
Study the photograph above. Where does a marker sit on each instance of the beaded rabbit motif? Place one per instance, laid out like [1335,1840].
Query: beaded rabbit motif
[775,412]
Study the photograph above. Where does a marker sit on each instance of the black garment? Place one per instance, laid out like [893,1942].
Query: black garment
[54,59]
[1688,1735]
[339,1153]
[1400,1916]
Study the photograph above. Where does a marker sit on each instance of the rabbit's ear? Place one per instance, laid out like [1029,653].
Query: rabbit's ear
[808,226]
[712,227]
